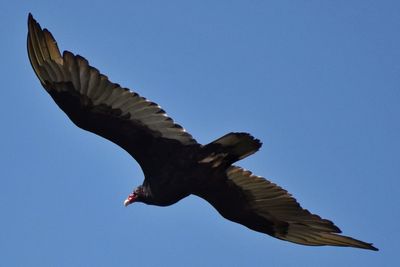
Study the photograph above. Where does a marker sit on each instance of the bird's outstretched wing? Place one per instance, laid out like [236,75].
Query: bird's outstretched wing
[96,104]
[265,207]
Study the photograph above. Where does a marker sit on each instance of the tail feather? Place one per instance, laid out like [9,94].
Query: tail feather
[230,148]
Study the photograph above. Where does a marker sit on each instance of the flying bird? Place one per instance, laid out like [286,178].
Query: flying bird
[174,164]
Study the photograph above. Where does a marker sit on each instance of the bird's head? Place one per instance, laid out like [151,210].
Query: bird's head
[135,196]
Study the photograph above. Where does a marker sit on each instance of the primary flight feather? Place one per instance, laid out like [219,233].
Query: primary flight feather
[174,164]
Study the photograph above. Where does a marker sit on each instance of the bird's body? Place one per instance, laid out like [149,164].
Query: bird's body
[174,164]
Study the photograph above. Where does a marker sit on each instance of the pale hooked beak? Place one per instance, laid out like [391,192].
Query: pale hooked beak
[130,199]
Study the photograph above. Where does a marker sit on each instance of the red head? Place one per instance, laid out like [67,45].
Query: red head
[133,196]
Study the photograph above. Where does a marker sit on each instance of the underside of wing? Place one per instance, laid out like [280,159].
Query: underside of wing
[265,207]
[95,104]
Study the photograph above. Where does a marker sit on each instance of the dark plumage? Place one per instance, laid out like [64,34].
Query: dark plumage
[174,164]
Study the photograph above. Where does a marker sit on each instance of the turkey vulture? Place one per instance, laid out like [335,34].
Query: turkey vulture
[174,164]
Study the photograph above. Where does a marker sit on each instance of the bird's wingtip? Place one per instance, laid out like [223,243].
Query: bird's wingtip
[31,19]
[373,248]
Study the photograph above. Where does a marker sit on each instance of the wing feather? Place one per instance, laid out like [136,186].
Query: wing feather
[265,207]
[94,81]
[96,104]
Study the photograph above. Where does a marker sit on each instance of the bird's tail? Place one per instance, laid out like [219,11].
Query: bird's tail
[230,148]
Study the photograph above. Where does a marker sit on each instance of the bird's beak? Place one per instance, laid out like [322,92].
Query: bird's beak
[130,199]
[126,202]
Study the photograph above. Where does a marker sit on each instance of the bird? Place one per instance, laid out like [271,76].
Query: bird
[174,164]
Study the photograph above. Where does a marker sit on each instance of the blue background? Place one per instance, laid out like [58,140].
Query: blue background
[317,81]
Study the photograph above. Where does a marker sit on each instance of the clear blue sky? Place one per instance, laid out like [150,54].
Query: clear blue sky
[317,81]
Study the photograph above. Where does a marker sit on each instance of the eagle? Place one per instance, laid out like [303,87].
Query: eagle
[174,164]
